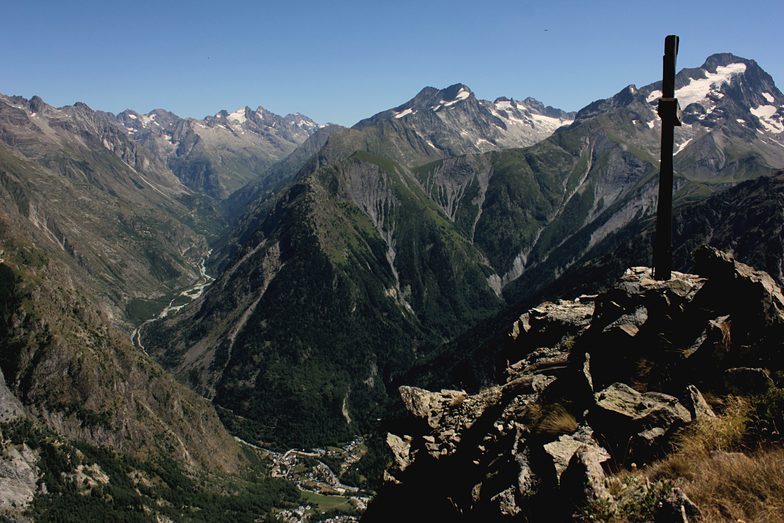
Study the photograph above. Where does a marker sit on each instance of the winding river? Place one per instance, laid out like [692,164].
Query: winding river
[192,293]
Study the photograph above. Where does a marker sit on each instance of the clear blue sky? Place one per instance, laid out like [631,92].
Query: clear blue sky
[341,61]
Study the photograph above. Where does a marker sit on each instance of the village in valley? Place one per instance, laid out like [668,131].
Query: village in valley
[317,475]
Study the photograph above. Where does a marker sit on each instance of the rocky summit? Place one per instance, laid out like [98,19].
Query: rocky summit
[592,385]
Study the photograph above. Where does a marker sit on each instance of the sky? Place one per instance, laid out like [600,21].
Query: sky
[342,61]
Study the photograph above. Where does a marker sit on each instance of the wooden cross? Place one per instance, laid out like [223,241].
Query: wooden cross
[670,114]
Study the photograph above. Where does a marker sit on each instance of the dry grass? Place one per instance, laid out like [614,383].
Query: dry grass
[738,487]
[728,483]
[552,420]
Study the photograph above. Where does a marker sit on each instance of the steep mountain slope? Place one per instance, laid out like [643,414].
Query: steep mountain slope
[82,378]
[78,188]
[746,220]
[218,154]
[352,273]
[90,224]
[587,181]
[248,207]
[278,174]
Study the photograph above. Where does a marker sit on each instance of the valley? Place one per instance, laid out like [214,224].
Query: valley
[237,302]
[178,302]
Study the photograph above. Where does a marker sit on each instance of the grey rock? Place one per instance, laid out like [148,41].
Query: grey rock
[563,449]
[713,344]
[762,299]
[746,380]
[583,480]
[527,479]
[10,406]
[678,508]
[18,477]
[636,424]
[647,410]
[400,450]
[697,405]
[506,502]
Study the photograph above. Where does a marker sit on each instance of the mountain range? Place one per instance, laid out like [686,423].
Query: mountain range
[363,230]
[346,261]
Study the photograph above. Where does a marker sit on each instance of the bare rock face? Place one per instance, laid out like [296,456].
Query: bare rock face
[10,406]
[593,383]
[18,477]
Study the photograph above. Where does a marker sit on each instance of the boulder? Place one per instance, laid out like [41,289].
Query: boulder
[552,325]
[400,448]
[713,344]
[636,424]
[652,409]
[755,296]
[562,450]
[695,402]
[747,380]
[583,480]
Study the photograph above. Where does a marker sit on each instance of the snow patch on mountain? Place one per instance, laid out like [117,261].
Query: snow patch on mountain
[461,95]
[769,118]
[698,89]
[517,114]
[238,116]
[683,146]
[401,114]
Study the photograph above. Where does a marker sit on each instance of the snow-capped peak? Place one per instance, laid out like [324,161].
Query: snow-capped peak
[238,116]
[699,88]
[462,94]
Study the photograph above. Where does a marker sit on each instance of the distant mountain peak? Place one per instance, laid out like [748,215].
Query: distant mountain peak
[452,121]
[434,99]
[714,61]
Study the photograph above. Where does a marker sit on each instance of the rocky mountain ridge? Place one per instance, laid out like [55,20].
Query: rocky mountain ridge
[592,384]
[518,124]
[440,123]
[85,193]
[221,153]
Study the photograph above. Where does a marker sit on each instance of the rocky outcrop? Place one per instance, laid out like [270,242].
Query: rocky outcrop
[18,471]
[18,480]
[10,406]
[592,384]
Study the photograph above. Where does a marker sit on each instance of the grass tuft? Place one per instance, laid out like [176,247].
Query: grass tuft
[713,466]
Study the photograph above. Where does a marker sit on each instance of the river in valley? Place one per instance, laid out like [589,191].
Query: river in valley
[176,303]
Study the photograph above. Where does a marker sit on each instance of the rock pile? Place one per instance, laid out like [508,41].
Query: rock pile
[591,384]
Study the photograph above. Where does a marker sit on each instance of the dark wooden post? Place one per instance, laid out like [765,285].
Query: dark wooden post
[670,114]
